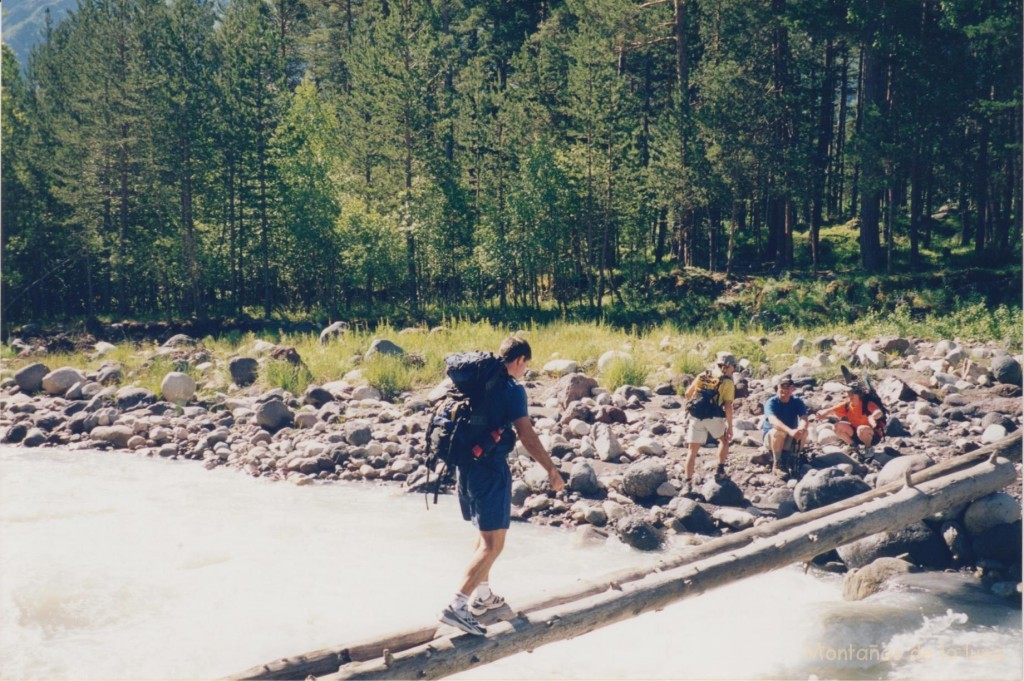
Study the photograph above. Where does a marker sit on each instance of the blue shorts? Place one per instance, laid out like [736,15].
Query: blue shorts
[485,493]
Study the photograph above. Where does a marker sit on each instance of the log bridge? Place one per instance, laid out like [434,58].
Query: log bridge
[436,651]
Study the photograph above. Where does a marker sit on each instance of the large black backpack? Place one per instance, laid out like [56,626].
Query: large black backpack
[468,423]
[704,403]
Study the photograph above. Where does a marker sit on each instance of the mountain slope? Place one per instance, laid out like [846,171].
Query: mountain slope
[23,22]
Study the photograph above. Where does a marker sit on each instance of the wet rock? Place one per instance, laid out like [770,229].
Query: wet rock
[898,467]
[860,583]
[117,436]
[1005,369]
[1002,542]
[178,387]
[58,382]
[381,346]
[273,415]
[722,492]
[316,396]
[638,533]
[925,546]
[332,332]
[995,509]
[33,438]
[642,479]
[583,479]
[827,486]
[30,378]
[130,397]
[692,516]
[244,371]
[571,388]
[358,435]
[958,543]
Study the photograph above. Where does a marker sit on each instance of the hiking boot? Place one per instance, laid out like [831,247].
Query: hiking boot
[720,471]
[460,618]
[478,606]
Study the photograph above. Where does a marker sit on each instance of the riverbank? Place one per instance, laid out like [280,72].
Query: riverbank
[621,450]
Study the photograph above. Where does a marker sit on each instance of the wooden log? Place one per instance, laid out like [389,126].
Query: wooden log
[655,591]
[326,661]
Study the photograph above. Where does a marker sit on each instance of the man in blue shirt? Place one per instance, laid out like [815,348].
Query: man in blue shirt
[785,422]
[485,494]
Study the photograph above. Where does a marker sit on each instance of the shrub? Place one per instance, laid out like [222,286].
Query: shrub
[294,378]
[689,362]
[388,374]
[624,372]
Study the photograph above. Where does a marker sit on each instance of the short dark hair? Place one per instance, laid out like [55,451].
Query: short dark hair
[514,347]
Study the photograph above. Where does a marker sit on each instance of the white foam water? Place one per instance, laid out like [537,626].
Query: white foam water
[114,566]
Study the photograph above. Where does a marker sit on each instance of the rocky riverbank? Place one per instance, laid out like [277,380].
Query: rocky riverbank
[620,452]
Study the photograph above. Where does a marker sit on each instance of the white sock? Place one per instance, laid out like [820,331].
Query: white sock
[461,600]
[483,590]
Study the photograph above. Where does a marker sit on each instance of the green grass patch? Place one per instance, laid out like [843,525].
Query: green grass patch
[624,371]
[389,374]
[294,378]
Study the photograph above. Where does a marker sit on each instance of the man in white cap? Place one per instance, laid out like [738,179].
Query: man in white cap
[710,408]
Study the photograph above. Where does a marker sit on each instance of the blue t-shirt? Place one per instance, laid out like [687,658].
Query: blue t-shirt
[787,412]
[514,407]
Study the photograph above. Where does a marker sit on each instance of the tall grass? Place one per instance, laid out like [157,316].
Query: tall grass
[624,371]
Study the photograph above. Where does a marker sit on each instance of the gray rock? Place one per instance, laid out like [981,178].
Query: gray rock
[895,428]
[560,367]
[358,435]
[537,478]
[180,340]
[995,509]
[381,346]
[520,492]
[860,583]
[925,546]
[734,518]
[243,371]
[58,382]
[993,434]
[1005,369]
[827,486]
[723,492]
[109,374]
[606,444]
[30,378]
[638,533]
[15,433]
[273,415]
[995,418]
[893,390]
[33,438]
[642,479]
[583,479]
[898,467]
[335,330]
[130,397]
[572,387]
[824,343]
[611,356]
[898,346]
[178,387]
[117,436]
[958,543]
[317,396]
[693,516]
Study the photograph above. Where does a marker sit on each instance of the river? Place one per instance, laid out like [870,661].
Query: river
[115,566]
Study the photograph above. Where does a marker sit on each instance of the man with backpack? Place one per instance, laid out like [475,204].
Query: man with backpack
[484,478]
[710,408]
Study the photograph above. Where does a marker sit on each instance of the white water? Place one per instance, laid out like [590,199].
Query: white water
[114,567]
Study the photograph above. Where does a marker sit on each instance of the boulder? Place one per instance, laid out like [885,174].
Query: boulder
[572,387]
[130,397]
[734,518]
[178,387]
[15,433]
[520,492]
[898,467]
[826,486]
[898,346]
[335,330]
[606,444]
[366,392]
[244,371]
[893,390]
[610,414]
[104,348]
[642,479]
[649,446]
[612,356]
[995,509]
[358,435]
[1002,543]
[117,436]
[109,374]
[860,583]
[30,378]
[895,428]
[33,438]
[1005,369]
[638,533]
[993,433]
[693,517]
[560,367]
[381,346]
[59,381]
[583,479]
[958,543]
[316,396]
[869,357]
[925,546]
[722,492]
[179,340]
[273,415]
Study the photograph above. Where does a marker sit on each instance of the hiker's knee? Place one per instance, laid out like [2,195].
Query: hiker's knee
[865,433]
[492,541]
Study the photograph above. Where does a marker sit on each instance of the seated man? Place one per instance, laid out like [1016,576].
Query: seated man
[785,423]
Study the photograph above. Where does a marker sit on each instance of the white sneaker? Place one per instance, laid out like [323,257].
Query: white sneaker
[478,606]
[461,619]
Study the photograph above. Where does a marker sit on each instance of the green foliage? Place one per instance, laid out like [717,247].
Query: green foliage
[388,374]
[624,371]
[294,378]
